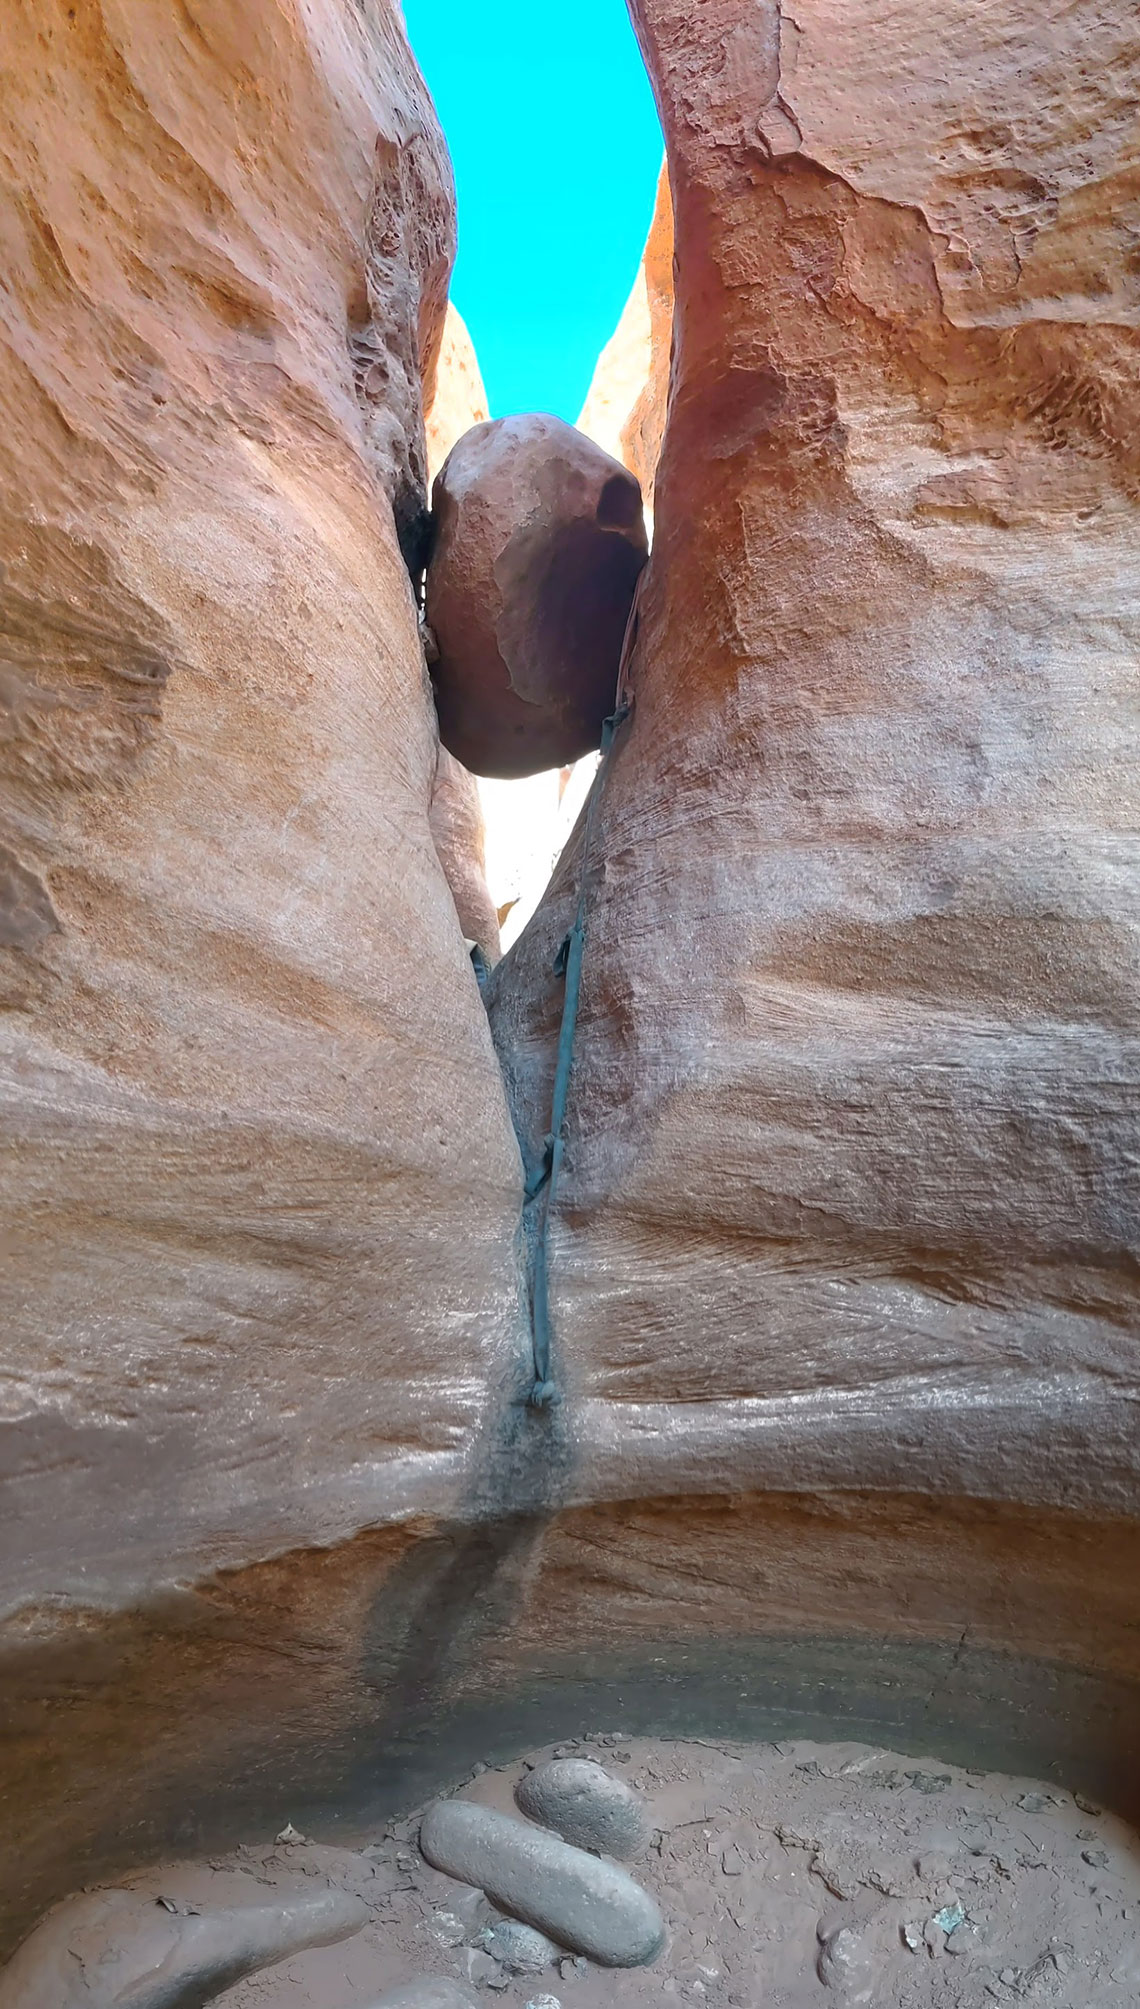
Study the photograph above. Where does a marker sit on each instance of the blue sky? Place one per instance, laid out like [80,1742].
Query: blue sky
[556,146]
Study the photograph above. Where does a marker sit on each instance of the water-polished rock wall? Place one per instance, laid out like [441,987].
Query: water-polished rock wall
[843,1263]
[259,1185]
[851,1193]
[849,1208]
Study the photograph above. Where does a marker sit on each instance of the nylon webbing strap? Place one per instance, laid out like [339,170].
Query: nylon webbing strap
[542,1184]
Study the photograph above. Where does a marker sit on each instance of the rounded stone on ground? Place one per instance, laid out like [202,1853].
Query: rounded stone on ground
[586,1805]
[584,1904]
[519,1947]
[483,1970]
[845,1963]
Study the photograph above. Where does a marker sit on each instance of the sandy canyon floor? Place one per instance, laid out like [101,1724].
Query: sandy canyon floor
[790,1875]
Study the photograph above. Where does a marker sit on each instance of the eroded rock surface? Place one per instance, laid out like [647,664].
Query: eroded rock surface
[628,397]
[257,1177]
[851,1197]
[119,1949]
[586,1805]
[234,980]
[844,1279]
[456,821]
[459,397]
[539,541]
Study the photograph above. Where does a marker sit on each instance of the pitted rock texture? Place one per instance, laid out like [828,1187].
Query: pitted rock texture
[256,1170]
[849,1196]
[583,1904]
[539,540]
[519,1948]
[119,1949]
[409,244]
[846,1962]
[586,1805]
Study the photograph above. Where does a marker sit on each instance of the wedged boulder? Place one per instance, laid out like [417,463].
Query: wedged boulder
[586,1805]
[586,1905]
[120,1949]
[539,539]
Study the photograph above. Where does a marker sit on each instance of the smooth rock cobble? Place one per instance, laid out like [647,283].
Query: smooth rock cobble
[584,1804]
[586,1905]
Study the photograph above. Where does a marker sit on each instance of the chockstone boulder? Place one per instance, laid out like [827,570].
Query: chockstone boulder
[538,542]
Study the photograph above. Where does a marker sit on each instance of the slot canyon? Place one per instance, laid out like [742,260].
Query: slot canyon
[790,1149]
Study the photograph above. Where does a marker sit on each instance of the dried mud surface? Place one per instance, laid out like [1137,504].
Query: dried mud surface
[790,1875]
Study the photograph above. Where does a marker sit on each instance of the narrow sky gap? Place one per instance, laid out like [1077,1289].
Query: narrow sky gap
[556,145]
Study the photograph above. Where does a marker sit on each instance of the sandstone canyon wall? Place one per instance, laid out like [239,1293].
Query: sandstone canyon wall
[844,1259]
[856,1091]
[455,400]
[849,1207]
[459,398]
[260,1186]
[628,396]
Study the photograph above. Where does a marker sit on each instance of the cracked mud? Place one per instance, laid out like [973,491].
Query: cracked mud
[790,1876]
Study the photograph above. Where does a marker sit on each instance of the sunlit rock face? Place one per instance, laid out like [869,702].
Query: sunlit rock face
[844,1313]
[629,393]
[459,398]
[259,1186]
[850,1194]
[539,539]
[456,401]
